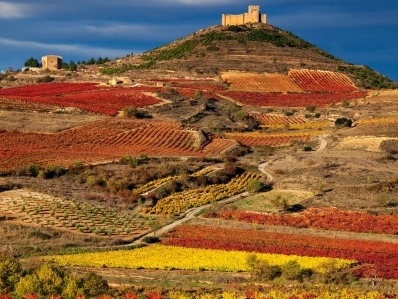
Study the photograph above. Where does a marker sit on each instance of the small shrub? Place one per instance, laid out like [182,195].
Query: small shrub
[39,235]
[151,239]
[288,113]
[307,148]
[345,104]
[45,79]
[317,115]
[310,108]
[253,186]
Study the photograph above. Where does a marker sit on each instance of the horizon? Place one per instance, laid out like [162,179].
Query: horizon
[359,32]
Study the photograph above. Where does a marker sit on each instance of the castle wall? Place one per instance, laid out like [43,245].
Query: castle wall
[252,16]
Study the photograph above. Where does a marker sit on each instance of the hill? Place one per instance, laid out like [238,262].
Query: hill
[260,48]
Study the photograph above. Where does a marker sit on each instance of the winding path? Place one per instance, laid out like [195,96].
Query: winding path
[323,144]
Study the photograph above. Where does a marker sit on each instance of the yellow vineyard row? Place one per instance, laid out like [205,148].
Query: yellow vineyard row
[301,126]
[158,182]
[181,201]
[278,294]
[171,257]
[380,120]
[273,135]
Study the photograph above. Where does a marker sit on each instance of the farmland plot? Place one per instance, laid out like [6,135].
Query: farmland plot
[85,96]
[38,209]
[260,82]
[105,140]
[322,81]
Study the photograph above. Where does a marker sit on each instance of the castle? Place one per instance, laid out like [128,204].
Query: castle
[253,16]
[51,62]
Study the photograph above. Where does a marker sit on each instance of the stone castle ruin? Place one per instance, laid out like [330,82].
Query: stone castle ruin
[253,16]
[51,62]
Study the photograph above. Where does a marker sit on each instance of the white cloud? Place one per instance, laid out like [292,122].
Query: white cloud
[14,10]
[134,31]
[62,49]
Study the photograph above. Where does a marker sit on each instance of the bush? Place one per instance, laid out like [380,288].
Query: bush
[45,79]
[261,270]
[134,112]
[343,122]
[151,239]
[253,186]
[33,170]
[130,160]
[51,171]
[94,284]
[310,108]
[345,104]
[291,270]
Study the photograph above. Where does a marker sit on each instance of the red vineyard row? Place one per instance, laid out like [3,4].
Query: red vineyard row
[382,255]
[104,140]
[293,100]
[85,96]
[322,218]
[322,81]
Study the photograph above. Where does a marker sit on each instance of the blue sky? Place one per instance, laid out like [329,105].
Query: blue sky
[358,31]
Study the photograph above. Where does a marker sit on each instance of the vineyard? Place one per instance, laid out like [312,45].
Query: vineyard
[293,99]
[281,139]
[37,209]
[321,218]
[171,257]
[322,81]
[271,119]
[85,96]
[152,185]
[181,201]
[104,140]
[382,256]
[260,82]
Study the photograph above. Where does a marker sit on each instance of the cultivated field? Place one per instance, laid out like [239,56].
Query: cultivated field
[79,177]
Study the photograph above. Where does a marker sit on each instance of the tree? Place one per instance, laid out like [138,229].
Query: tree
[262,270]
[91,61]
[94,284]
[27,284]
[32,62]
[51,279]
[10,272]
[291,270]
[72,66]
[73,287]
